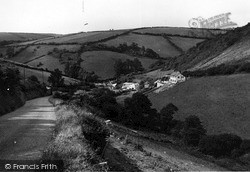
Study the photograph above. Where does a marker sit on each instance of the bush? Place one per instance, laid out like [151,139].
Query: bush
[33,78]
[95,132]
[219,145]
[112,111]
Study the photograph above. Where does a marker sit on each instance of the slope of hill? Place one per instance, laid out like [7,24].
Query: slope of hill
[105,67]
[4,36]
[82,37]
[185,43]
[34,51]
[183,31]
[232,47]
[58,49]
[47,61]
[221,102]
[156,43]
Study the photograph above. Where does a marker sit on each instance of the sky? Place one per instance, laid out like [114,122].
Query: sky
[70,16]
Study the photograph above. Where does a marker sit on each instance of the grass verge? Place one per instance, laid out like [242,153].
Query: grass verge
[78,141]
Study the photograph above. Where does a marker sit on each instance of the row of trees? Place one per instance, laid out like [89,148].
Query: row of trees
[134,50]
[128,66]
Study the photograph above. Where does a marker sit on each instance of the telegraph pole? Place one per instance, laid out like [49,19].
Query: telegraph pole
[43,76]
[24,74]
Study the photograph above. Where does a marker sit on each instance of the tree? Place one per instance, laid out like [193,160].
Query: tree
[1,80]
[193,130]
[151,53]
[166,116]
[10,52]
[127,67]
[33,78]
[56,78]
[74,69]
[138,108]
[12,78]
[118,66]
[137,65]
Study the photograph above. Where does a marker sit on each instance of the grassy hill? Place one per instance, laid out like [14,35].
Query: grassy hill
[229,48]
[221,102]
[182,31]
[105,67]
[82,37]
[51,52]
[4,36]
[185,43]
[34,51]
[156,43]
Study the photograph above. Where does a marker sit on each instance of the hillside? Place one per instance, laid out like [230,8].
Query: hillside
[182,31]
[230,48]
[54,51]
[4,36]
[156,43]
[104,68]
[221,102]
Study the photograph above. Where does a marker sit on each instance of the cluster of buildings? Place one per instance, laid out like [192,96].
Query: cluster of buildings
[168,79]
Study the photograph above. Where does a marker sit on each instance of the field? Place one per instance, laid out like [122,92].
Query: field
[4,36]
[185,43]
[49,62]
[83,37]
[155,74]
[191,32]
[42,76]
[35,51]
[221,102]
[156,43]
[104,67]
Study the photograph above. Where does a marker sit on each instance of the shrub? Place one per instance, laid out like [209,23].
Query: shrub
[33,78]
[219,145]
[95,132]
[111,111]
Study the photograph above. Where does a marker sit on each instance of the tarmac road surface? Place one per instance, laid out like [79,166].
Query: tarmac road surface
[25,132]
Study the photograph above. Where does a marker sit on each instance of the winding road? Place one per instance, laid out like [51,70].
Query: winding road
[25,132]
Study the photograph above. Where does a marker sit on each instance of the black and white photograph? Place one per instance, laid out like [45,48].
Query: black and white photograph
[124,85]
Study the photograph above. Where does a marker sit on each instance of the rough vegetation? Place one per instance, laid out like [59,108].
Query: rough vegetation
[79,140]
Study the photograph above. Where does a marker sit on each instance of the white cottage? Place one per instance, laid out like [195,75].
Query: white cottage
[177,77]
[130,86]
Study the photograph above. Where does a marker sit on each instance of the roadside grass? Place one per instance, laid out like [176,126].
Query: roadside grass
[70,144]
